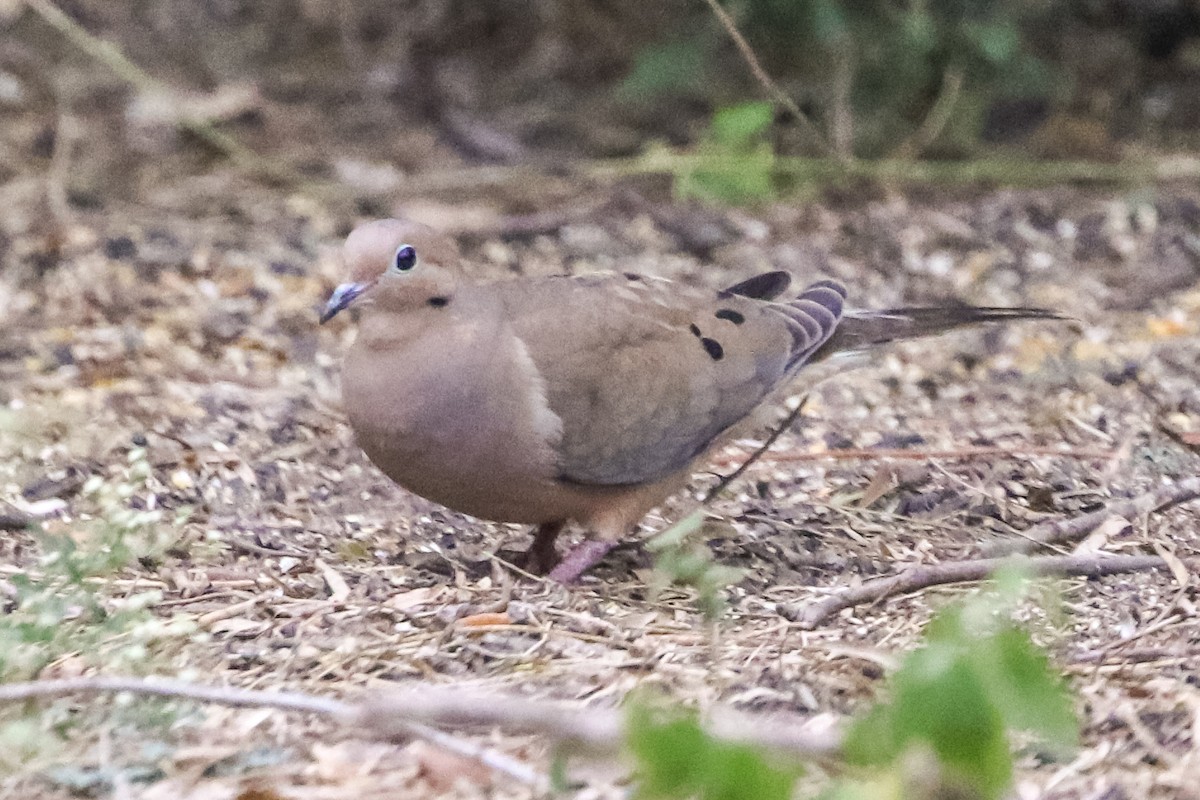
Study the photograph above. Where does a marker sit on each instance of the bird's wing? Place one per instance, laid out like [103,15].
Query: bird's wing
[644,374]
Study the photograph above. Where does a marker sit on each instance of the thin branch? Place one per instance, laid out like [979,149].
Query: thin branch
[111,56]
[13,520]
[758,453]
[844,64]
[1071,530]
[66,134]
[594,728]
[348,714]
[914,579]
[492,759]
[777,94]
[177,690]
[403,713]
[1015,172]
[1003,171]
[957,454]
[935,121]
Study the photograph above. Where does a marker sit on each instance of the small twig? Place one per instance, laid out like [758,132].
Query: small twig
[179,690]
[401,724]
[804,172]
[758,453]
[777,94]
[13,520]
[1130,719]
[492,759]
[958,454]
[935,121]
[1001,171]
[1071,530]
[66,134]
[693,520]
[1099,656]
[401,714]
[111,56]
[600,729]
[844,63]
[914,579]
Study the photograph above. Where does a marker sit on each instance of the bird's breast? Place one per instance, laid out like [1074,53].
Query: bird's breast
[459,417]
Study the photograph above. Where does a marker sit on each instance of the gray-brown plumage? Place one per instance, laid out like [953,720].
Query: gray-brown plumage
[584,398]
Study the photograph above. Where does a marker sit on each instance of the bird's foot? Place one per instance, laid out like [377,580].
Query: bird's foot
[579,560]
[542,555]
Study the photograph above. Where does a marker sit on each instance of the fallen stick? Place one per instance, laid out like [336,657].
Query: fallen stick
[13,520]
[111,56]
[958,454]
[403,713]
[810,615]
[351,715]
[1062,531]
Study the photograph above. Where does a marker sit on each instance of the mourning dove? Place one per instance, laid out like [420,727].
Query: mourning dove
[583,398]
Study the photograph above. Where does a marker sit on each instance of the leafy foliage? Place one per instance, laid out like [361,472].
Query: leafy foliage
[667,68]
[63,607]
[945,731]
[883,62]
[976,678]
[677,759]
[682,560]
[737,159]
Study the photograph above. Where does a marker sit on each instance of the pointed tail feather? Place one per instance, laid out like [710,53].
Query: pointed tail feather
[861,330]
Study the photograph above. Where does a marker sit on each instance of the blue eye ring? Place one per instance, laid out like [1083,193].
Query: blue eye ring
[405,259]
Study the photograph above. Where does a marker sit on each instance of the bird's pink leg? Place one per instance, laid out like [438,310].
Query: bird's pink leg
[579,560]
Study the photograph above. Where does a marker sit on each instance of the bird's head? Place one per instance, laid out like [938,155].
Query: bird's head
[397,265]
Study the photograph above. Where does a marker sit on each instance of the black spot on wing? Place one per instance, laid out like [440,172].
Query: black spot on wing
[438,302]
[729,314]
[713,348]
[695,329]
[631,276]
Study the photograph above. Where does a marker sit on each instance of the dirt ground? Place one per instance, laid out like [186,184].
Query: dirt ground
[178,316]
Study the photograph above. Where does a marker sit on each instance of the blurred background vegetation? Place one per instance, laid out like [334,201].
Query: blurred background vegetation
[411,83]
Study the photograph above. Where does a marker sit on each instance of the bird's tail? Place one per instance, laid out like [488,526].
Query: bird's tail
[862,330]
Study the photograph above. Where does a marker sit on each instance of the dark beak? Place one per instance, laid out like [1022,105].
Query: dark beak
[342,296]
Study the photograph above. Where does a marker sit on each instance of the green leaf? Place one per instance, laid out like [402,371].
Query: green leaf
[1025,688]
[741,126]
[918,32]
[941,700]
[739,772]
[675,535]
[871,739]
[668,749]
[677,759]
[664,68]
[998,42]
[731,178]
[828,20]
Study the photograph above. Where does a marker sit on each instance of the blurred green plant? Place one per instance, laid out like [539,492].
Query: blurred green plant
[676,758]
[67,606]
[880,77]
[977,679]
[737,160]
[956,702]
[682,559]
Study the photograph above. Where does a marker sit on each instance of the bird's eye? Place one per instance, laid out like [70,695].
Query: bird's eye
[406,258]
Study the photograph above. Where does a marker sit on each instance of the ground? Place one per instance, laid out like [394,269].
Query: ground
[177,328]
